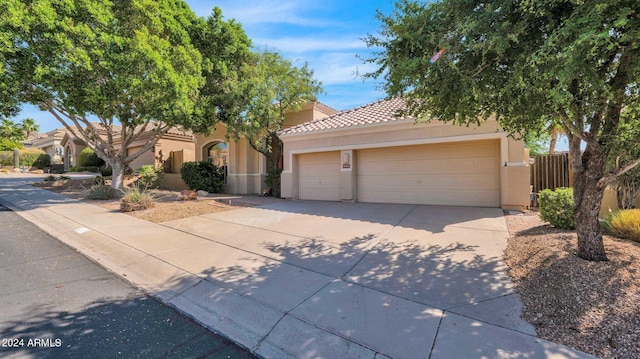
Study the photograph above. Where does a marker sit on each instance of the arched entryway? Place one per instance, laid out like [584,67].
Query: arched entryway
[217,152]
[68,158]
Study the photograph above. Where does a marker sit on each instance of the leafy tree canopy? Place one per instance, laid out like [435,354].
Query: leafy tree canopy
[225,49]
[11,131]
[529,63]
[95,63]
[270,87]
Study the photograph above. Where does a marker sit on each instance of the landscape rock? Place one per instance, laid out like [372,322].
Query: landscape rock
[202,193]
[187,195]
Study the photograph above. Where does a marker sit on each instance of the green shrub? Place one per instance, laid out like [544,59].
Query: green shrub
[101,192]
[149,177]
[556,207]
[135,199]
[105,171]
[44,160]
[9,145]
[203,176]
[88,158]
[624,224]
[62,178]
[273,181]
[28,156]
[6,158]
[50,178]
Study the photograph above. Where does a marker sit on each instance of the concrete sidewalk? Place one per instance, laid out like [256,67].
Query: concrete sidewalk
[314,280]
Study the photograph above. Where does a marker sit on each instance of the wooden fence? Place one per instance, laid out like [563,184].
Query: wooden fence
[549,171]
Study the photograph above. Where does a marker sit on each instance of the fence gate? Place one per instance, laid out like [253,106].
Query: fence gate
[548,171]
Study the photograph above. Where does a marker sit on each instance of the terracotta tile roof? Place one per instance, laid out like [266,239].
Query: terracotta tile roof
[383,111]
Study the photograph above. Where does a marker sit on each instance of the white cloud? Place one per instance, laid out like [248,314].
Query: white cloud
[253,12]
[296,45]
[338,68]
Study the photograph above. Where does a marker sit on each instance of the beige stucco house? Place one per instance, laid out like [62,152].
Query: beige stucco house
[50,143]
[369,155]
[159,156]
[245,167]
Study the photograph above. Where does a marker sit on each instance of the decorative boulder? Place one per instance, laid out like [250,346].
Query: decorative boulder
[202,193]
[187,195]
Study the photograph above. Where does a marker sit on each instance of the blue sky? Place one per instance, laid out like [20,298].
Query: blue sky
[325,34]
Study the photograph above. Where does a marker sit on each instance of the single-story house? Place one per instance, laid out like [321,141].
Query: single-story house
[368,154]
[245,167]
[174,140]
[50,143]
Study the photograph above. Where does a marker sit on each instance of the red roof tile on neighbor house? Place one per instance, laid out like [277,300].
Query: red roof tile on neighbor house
[378,112]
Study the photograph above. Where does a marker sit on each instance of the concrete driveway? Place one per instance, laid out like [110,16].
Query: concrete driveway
[315,279]
[405,281]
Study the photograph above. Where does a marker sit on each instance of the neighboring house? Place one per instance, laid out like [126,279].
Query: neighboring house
[174,140]
[368,154]
[50,142]
[245,167]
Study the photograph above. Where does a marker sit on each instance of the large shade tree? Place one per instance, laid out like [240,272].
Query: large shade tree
[527,63]
[109,71]
[225,49]
[269,88]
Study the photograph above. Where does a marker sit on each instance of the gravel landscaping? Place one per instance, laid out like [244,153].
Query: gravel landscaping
[591,306]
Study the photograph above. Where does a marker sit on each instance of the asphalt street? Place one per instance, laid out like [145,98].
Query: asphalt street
[56,303]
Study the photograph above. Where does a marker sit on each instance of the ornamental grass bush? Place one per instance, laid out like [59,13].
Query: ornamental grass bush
[556,207]
[624,223]
[101,192]
[134,199]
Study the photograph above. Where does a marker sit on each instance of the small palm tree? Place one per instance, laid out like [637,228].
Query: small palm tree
[10,130]
[29,126]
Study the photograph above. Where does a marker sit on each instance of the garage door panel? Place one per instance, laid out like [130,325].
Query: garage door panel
[448,174]
[319,176]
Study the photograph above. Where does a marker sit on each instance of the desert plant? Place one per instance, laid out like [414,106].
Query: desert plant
[102,192]
[149,177]
[50,178]
[203,176]
[624,224]
[556,207]
[98,180]
[62,178]
[135,199]
[88,158]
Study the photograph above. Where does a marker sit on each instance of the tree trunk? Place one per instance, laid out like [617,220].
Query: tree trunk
[274,164]
[553,142]
[117,176]
[587,194]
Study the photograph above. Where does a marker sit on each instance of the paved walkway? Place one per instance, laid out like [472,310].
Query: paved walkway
[315,279]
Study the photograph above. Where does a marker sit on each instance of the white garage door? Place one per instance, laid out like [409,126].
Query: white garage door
[319,176]
[461,174]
